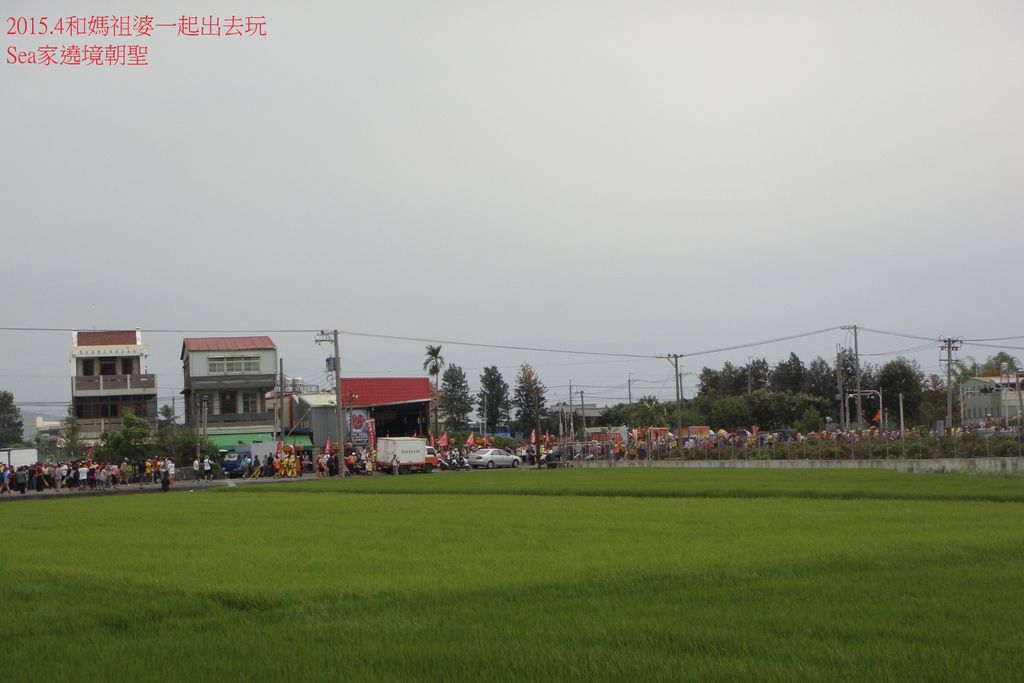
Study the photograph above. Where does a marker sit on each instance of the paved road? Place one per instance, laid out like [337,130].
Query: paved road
[181,485]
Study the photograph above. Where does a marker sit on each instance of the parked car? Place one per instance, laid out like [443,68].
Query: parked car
[493,457]
[232,463]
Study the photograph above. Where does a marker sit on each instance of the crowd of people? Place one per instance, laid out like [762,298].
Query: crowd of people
[75,476]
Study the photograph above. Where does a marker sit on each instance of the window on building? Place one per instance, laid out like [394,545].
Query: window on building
[88,367]
[250,402]
[108,366]
[219,365]
[126,366]
[228,402]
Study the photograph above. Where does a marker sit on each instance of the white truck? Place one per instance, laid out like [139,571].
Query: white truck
[410,453]
[16,457]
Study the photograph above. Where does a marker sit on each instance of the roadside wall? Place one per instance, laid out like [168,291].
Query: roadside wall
[983,465]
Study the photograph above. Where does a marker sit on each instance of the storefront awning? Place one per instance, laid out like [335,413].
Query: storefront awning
[227,442]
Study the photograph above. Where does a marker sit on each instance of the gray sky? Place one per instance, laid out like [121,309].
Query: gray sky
[625,176]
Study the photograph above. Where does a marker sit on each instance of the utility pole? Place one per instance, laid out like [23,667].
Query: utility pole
[572,416]
[950,344]
[206,412]
[674,359]
[279,413]
[856,365]
[583,415]
[843,421]
[629,388]
[323,337]
[750,374]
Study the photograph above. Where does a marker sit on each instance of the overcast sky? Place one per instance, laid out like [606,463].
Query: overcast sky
[629,176]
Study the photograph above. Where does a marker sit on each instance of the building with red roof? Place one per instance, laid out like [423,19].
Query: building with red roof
[226,382]
[398,406]
[110,379]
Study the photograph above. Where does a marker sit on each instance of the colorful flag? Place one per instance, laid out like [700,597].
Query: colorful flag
[88,454]
[469,441]
[877,417]
[443,443]
[280,446]
[432,443]
[327,446]
[533,436]
[371,433]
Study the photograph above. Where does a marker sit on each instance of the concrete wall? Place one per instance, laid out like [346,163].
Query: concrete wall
[983,465]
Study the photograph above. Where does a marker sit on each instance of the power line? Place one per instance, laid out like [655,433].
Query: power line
[912,349]
[759,343]
[897,334]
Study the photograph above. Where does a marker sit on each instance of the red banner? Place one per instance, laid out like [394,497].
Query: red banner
[371,431]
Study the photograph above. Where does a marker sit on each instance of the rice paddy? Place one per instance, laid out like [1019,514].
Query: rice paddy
[524,575]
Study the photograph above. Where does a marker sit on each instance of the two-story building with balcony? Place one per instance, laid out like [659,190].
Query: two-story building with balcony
[110,379]
[226,382]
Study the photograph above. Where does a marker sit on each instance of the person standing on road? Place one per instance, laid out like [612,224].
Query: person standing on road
[195,469]
[171,469]
[207,468]
[21,479]
[5,477]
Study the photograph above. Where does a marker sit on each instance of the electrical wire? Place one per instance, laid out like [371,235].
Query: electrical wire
[759,343]
[913,349]
[896,334]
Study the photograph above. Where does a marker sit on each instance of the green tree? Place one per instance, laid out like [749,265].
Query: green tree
[789,375]
[757,373]
[133,441]
[821,380]
[454,397]
[433,364]
[731,412]
[71,435]
[529,398]
[11,424]
[649,412]
[493,396]
[901,376]
[810,421]
[180,445]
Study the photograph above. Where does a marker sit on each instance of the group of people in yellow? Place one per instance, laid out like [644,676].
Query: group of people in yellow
[285,465]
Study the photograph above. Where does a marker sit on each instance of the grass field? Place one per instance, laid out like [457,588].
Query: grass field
[525,575]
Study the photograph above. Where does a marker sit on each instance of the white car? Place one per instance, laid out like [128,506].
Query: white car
[493,457]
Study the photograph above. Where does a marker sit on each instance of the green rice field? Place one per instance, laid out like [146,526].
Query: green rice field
[583,575]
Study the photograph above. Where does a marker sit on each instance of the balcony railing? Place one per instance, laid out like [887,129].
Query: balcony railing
[114,383]
[240,418]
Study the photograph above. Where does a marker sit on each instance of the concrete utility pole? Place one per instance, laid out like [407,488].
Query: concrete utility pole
[950,344]
[332,336]
[674,359]
[843,422]
[280,399]
[572,416]
[856,365]
[583,415]
[629,388]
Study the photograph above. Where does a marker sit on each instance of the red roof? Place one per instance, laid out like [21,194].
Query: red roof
[382,391]
[106,337]
[226,344]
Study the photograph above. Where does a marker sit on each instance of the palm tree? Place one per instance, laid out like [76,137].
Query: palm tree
[433,364]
